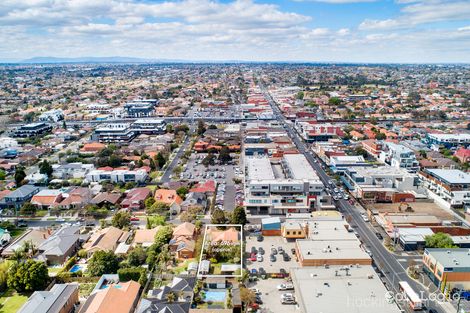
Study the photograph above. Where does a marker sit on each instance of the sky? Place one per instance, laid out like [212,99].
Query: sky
[374,31]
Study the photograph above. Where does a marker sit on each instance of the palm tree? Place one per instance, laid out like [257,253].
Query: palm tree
[171,297]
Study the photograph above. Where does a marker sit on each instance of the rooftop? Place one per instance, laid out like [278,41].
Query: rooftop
[450,176]
[259,168]
[451,257]
[299,167]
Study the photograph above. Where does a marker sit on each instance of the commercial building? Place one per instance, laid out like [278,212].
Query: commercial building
[51,116]
[450,187]
[114,133]
[340,163]
[290,187]
[399,156]
[312,131]
[117,176]
[141,108]
[448,140]
[382,184]
[149,126]
[333,289]
[271,226]
[448,268]
[62,298]
[32,130]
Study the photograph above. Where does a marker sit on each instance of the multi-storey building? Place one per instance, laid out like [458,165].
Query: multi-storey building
[118,133]
[382,184]
[141,108]
[288,187]
[117,176]
[32,130]
[312,131]
[450,267]
[448,140]
[451,187]
[149,126]
[52,116]
[399,156]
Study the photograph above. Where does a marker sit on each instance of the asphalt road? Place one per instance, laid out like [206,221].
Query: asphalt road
[387,262]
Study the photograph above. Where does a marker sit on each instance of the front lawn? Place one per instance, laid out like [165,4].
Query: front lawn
[11,302]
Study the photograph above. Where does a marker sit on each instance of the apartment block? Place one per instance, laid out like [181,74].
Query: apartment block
[117,176]
[399,156]
[452,187]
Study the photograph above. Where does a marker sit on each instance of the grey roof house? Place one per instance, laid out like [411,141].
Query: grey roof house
[19,196]
[60,299]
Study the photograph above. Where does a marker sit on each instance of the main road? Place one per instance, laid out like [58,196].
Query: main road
[386,262]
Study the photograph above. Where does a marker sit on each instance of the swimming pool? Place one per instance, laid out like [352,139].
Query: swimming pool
[215,296]
[76,268]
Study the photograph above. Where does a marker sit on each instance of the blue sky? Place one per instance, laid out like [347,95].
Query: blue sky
[391,31]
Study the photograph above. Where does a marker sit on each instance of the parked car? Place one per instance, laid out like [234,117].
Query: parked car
[287,286]
[379,235]
[253,250]
[288,301]
[293,251]
[285,257]
[261,250]
[259,258]
[256,291]
[272,258]
[259,238]
[253,257]
[273,251]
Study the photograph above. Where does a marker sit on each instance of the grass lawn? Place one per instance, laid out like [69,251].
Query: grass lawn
[216,269]
[85,289]
[17,232]
[54,270]
[41,213]
[11,302]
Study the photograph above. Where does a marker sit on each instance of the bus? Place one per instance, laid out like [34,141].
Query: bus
[412,297]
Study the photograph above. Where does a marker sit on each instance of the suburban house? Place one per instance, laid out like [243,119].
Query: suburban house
[62,244]
[47,198]
[208,188]
[183,242]
[19,196]
[134,199]
[145,237]
[33,236]
[182,286]
[106,198]
[169,197]
[463,155]
[76,198]
[194,200]
[228,235]
[106,239]
[112,297]
[60,299]
[92,147]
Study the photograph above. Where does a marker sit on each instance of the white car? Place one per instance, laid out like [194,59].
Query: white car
[256,291]
[285,287]
[287,295]
[259,258]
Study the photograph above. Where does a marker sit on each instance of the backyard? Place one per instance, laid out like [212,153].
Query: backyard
[11,302]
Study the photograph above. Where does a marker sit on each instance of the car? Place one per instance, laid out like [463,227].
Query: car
[273,251]
[287,286]
[283,272]
[258,300]
[253,257]
[346,197]
[379,235]
[280,250]
[253,250]
[287,295]
[259,258]
[272,258]
[292,250]
[256,291]
[368,252]
[285,257]
[432,311]
[261,250]
[288,301]
[365,218]
[259,238]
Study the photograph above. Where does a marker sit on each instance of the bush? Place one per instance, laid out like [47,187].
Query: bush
[137,274]
[68,265]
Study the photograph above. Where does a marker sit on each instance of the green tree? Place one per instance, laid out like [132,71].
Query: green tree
[158,207]
[163,236]
[224,155]
[161,160]
[149,202]
[28,276]
[20,175]
[103,262]
[300,95]
[335,101]
[4,267]
[121,219]
[3,175]
[137,256]
[239,216]
[169,128]
[182,192]
[380,136]
[46,168]
[28,209]
[201,127]
[218,216]
[208,160]
[439,240]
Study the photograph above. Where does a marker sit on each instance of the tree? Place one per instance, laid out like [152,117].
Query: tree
[28,276]
[4,267]
[102,262]
[224,155]
[160,159]
[218,216]
[149,202]
[201,127]
[121,219]
[247,296]
[46,168]
[212,126]
[334,101]
[28,209]
[158,207]
[169,128]
[380,136]
[163,235]
[239,216]
[19,175]
[300,95]
[3,175]
[182,192]
[439,240]
[208,160]
[137,256]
